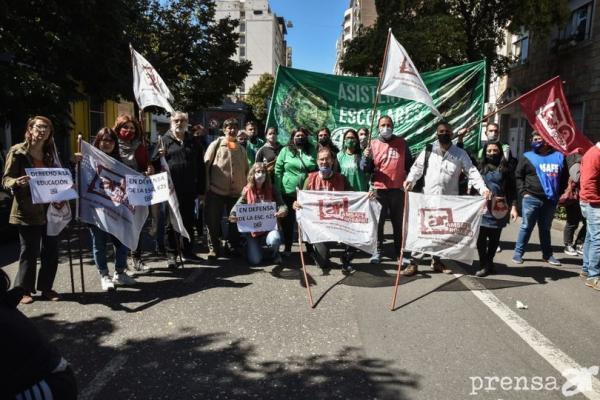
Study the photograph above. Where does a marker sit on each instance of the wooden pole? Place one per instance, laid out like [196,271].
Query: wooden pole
[70,257]
[398,273]
[310,298]
[79,138]
[378,94]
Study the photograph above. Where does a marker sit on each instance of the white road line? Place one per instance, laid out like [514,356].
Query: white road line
[103,377]
[534,338]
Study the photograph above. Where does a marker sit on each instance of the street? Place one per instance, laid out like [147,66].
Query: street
[226,331]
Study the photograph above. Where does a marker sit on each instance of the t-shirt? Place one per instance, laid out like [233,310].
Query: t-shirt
[589,187]
[349,168]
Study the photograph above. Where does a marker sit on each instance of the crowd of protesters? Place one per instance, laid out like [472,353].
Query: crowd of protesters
[242,167]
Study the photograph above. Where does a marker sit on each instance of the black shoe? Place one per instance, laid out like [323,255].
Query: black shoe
[325,271]
[482,272]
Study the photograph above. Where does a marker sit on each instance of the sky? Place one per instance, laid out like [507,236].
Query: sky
[317,26]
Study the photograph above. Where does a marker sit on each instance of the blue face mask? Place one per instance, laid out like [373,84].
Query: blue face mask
[537,145]
[325,170]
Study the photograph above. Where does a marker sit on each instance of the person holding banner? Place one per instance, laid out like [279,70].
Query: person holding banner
[133,150]
[327,179]
[185,157]
[269,151]
[37,151]
[227,169]
[388,159]
[498,177]
[349,162]
[441,166]
[541,176]
[107,141]
[260,190]
[294,163]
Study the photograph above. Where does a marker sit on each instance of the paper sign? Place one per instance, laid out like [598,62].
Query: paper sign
[258,217]
[147,190]
[50,185]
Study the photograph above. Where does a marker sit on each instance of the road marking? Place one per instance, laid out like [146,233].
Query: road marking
[534,338]
[103,377]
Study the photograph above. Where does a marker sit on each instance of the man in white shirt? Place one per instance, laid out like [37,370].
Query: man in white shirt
[445,164]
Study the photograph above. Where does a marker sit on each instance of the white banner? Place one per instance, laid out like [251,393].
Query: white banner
[174,214]
[345,217]
[401,78]
[50,185]
[149,89]
[103,201]
[259,217]
[147,190]
[445,226]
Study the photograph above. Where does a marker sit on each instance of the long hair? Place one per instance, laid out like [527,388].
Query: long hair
[356,148]
[266,187]
[292,146]
[108,133]
[48,149]
[123,119]
[484,167]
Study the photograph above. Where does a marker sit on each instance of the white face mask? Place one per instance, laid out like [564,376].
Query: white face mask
[385,133]
[260,177]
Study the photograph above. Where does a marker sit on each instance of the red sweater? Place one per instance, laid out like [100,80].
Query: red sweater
[335,182]
[389,159]
[589,184]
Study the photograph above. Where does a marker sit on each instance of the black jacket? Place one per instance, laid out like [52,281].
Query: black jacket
[528,181]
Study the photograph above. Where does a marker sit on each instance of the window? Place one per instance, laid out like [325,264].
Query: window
[242,39]
[578,113]
[242,51]
[257,12]
[242,14]
[579,27]
[96,116]
[520,46]
[242,27]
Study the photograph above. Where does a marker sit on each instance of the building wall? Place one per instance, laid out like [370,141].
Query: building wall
[360,13]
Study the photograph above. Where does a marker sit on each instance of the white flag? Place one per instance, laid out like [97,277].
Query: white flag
[174,215]
[401,78]
[148,87]
[445,226]
[58,215]
[345,217]
[103,198]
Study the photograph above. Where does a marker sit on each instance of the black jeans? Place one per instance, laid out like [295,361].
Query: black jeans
[36,244]
[288,221]
[574,217]
[214,207]
[323,258]
[186,209]
[487,244]
[392,205]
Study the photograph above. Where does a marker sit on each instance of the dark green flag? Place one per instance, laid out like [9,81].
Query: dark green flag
[315,100]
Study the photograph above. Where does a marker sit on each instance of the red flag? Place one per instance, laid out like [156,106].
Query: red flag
[548,112]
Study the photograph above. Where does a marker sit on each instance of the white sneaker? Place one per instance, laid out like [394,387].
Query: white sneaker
[123,279]
[106,283]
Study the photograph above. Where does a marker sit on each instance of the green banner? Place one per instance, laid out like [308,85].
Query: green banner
[314,100]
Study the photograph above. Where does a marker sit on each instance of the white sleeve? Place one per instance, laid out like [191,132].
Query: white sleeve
[416,170]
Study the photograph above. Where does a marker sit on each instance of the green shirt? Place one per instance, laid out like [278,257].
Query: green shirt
[349,167]
[251,149]
[291,170]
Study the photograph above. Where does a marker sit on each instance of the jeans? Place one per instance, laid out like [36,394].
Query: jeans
[392,205]
[487,244]
[254,246]
[574,217]
[287,223]
[591,246]
[35,243]
[99,242]
[534,211]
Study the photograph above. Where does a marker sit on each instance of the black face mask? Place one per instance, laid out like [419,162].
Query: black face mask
[494,159]
[445,138]
[300,141]
[324,141]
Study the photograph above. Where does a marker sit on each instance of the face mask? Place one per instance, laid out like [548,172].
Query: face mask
[325,170]
[127,135]
[385,133]
[445,138]
[260,177]
[299,141]
[363,141]
[349,143]
[323,141]
[537,145]
[492,138]
[493,159]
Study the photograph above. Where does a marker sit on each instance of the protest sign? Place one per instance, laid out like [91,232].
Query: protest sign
[345,217]
[174,214]
[445,226]
[147,190]
[49,185]
[258,217]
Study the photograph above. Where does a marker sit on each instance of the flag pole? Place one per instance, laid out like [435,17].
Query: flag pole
[401,259]
[79,138]
[310,298]
[378,93]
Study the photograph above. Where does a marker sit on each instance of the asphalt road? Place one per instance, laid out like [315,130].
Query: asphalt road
[226,331]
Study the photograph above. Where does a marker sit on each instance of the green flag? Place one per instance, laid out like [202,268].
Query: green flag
[314,100]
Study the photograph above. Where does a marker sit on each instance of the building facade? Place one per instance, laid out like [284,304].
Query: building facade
[573,53]
[262,37]
[360,13]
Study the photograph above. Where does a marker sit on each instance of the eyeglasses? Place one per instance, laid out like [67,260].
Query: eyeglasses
[41,127]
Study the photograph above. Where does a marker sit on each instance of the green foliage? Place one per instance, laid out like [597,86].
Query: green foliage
[258,95]
[442,33]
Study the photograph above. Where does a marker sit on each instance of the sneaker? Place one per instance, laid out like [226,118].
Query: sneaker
[375,258]
[517,259]
[410,270]
[594,282]
[579,249]
[123,279]
[106,283]
[570,250]
[553,261]
[439,266]
[482,272]
[140,266]
[583,275]
[499,249]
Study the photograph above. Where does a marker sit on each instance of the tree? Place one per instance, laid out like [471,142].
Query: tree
[442,33]
[258,97]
